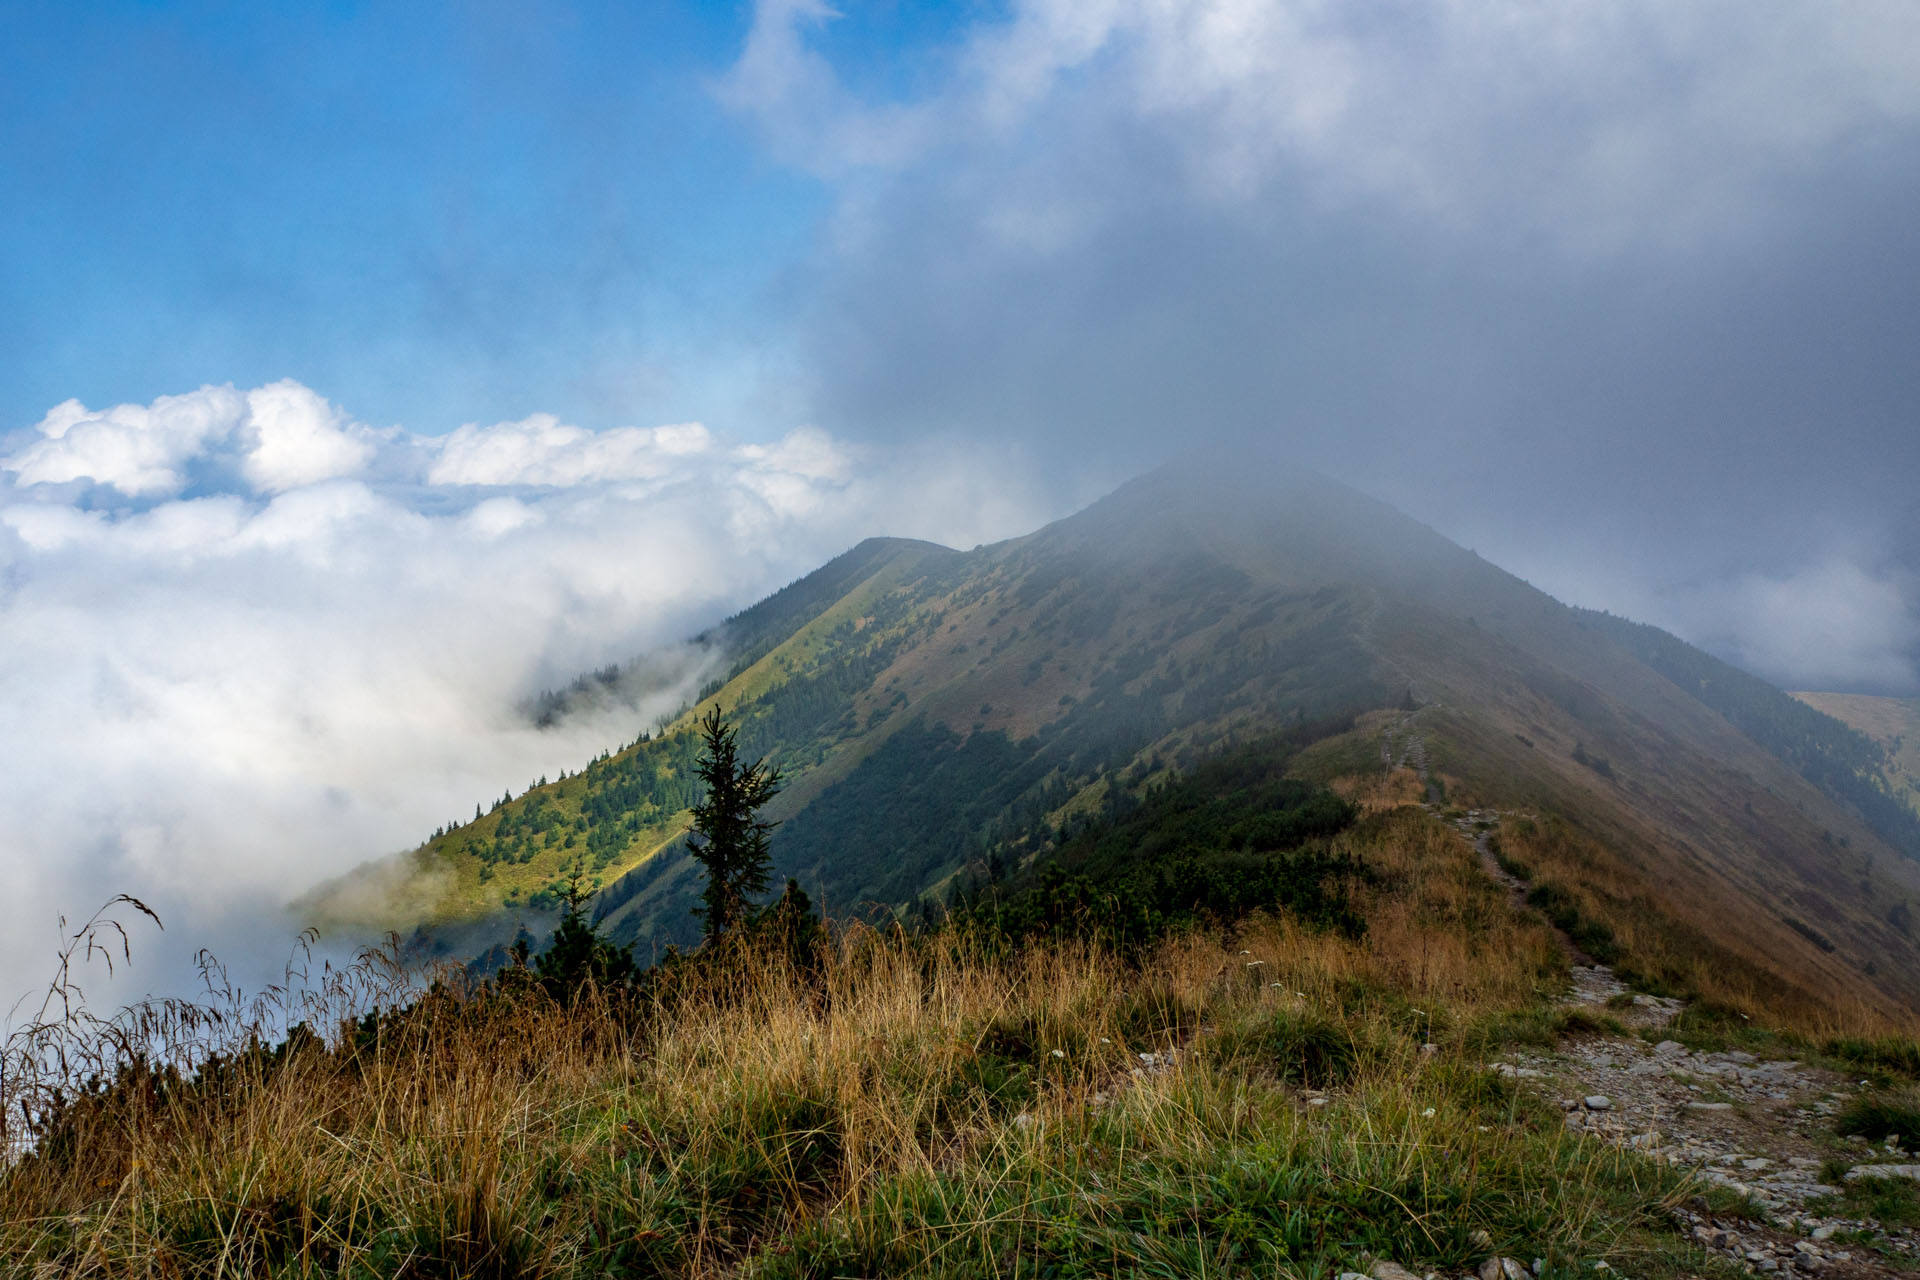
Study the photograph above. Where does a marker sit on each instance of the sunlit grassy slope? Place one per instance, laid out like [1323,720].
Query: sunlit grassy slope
[935,710]
[1231,1025]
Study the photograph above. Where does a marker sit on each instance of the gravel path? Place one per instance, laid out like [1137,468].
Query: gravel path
[1762,1129]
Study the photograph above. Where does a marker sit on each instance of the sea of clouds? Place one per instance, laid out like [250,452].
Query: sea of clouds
[252,642]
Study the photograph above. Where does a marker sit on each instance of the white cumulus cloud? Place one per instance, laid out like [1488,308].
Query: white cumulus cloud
[137,449]
[298,438]
[278,437]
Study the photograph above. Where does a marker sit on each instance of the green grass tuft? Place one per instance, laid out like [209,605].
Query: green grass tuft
[1888,1055]
[1298,1048]
[1879,1116]
[1891,1202]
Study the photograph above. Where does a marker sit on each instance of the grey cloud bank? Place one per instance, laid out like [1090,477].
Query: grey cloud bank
[1622,294]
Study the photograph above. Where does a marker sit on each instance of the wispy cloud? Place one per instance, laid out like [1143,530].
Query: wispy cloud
[1831,624]
[1593,120]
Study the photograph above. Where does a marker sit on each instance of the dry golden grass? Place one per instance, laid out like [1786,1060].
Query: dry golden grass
[1439,928]
[1380,792]
[926,1106]
[1685,908]
[1660,943]
[913,1106]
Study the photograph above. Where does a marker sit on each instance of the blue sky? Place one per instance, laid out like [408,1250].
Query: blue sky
[435,212]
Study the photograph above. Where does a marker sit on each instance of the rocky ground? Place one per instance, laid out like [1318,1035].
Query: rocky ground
[1759,1128]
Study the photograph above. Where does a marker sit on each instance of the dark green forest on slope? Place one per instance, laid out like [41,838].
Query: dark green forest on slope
[934,800]
[1231,836]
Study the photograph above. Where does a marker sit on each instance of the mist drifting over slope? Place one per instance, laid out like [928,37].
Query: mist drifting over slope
[252,642]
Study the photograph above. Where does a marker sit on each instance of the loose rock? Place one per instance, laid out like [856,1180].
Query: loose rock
[1385,1270]
[1502,1269]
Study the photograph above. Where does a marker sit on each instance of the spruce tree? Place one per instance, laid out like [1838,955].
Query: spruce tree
[727,839]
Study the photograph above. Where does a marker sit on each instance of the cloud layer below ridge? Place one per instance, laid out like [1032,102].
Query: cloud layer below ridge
[252,642]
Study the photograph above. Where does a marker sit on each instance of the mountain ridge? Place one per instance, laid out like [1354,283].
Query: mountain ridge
[932,705]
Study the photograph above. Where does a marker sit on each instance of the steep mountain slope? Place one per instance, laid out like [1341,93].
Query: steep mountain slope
[1893,724]
[935,710]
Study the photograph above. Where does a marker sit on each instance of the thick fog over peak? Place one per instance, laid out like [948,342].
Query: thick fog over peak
[1622,294]
[252,642]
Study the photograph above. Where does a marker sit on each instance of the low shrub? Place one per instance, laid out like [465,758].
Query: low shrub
[1708,1026]
[1891,1202]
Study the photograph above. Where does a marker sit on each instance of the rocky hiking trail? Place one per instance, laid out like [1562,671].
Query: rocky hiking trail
[1760,1129]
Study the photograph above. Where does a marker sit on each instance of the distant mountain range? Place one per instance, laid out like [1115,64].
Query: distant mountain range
[938,712]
